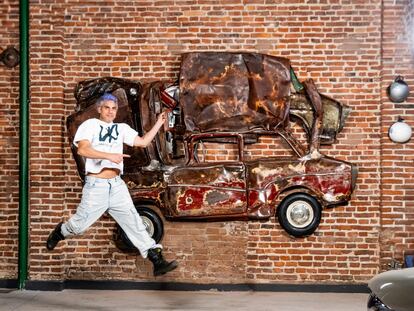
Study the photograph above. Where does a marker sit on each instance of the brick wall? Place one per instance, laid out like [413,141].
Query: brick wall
[9,144]
[397,207]
[338,44]
[47,123]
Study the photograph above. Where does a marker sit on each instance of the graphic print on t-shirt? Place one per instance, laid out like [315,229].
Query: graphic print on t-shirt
[111,133]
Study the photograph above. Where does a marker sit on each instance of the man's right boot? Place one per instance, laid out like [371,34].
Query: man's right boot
[55,237]
[161,266]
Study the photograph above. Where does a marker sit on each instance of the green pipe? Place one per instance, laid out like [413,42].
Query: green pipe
[24,144]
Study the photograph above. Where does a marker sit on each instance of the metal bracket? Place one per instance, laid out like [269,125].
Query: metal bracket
[10,57]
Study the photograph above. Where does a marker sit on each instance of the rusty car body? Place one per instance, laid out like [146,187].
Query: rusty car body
[231,99]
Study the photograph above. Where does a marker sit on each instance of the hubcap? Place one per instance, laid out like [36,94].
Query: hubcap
[300,214]
[148,225]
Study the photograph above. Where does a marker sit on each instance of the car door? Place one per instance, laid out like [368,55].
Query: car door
[207,188]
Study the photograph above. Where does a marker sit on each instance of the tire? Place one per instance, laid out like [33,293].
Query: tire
[299,214]
[152,222]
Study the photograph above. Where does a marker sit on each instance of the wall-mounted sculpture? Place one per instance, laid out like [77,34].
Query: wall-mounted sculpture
[230,98]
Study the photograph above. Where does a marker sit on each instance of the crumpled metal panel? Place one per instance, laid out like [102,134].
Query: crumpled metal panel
[314,97]
[225,91]
[149,108]
[207,190]
[328,179]
[145,184]
[88,91]
[303,108]
[234,91]
[333,120]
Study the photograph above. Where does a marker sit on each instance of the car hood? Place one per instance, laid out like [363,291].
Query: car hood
[395,288]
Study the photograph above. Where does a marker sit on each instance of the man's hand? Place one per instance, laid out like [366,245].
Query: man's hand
[85,150]
[117,157]
[162,117]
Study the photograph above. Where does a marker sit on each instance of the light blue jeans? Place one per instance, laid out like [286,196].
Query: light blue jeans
[100,195]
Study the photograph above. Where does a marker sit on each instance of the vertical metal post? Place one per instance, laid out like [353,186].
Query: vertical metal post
[24,144]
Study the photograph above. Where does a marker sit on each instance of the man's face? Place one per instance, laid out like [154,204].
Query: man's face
[107,111]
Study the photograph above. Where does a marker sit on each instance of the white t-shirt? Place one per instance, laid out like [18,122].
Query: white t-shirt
[106,137]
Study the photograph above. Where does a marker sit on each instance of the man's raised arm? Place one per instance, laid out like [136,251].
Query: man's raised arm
[149,136]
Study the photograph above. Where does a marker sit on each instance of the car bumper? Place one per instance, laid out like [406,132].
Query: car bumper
[375,304]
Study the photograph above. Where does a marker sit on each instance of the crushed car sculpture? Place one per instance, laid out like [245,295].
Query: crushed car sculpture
[232,99]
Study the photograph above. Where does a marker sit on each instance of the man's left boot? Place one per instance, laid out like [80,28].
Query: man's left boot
[55,237]
[161,266]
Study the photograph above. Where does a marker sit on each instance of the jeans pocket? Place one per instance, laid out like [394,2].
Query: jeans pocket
[90,183]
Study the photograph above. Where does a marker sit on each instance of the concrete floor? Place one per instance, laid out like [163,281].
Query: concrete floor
[72,300]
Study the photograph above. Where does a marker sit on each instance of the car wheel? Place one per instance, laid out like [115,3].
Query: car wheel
[299,214]
[153,224]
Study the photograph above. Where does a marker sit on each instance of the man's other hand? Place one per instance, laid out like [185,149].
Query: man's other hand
[117,157]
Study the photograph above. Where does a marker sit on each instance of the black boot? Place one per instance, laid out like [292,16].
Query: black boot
[55,237]
[161,266]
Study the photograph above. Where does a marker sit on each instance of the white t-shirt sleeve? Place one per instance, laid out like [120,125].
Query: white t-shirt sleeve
[84,132]
[129,134]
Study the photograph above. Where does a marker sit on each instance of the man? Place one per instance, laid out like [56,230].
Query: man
[100,142]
